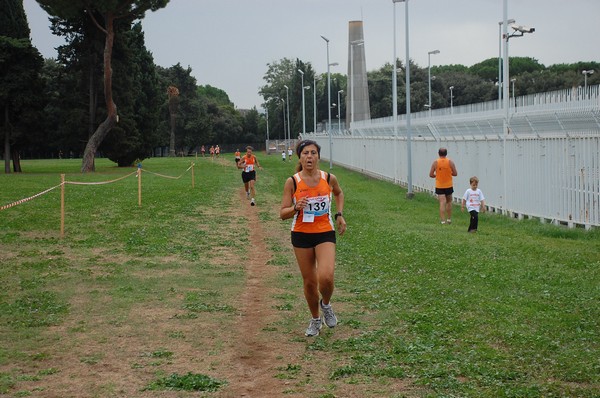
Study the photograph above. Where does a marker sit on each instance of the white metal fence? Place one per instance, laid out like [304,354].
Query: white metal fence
[547,167]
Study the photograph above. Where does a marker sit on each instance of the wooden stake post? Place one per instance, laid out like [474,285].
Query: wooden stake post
[62,206]
[139,176]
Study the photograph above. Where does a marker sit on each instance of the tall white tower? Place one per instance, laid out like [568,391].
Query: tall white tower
[357,89]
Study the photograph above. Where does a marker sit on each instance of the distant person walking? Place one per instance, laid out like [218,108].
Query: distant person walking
[307,199]
[238,156]
[443,169]
[283,155]
[249,163]
[212,152]
[203,150]
[475,202]
[290,153]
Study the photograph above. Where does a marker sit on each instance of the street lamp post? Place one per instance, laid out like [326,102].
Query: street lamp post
[283,110]
[352,44]
[339,111]
[395,97]
[585,75]
[329,105]
[513,93]
[303,106]
[451,98]
[500,60]
[519,31]
[267,114]
[287,100]
[409,193]
[429,75]
[315,105]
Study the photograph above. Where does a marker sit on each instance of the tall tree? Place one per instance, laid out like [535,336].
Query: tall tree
[190,113]
[20,66]
[173,94]
[139,100]
[103,13]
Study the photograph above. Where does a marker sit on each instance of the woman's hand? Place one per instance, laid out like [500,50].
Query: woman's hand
[301,203]
[341,225]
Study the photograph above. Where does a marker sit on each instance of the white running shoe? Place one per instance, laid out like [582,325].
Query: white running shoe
[252,202]
[328,315]
[314,327]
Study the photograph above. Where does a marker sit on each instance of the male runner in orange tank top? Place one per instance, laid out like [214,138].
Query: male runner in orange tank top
[443,169]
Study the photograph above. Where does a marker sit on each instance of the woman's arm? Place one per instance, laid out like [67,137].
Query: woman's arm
[338,196]
[288,209]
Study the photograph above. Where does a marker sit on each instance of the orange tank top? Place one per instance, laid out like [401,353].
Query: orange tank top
[249,161]
[316,216]
[443,174]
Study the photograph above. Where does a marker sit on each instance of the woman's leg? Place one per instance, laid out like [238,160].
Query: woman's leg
[325,258]
[308,269]
[252,191]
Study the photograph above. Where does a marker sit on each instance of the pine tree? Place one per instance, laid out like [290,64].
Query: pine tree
[20,66]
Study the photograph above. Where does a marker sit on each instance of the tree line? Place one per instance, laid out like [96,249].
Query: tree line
[104,95]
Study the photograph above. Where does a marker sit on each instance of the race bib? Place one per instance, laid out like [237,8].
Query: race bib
[316,206]
[249,168]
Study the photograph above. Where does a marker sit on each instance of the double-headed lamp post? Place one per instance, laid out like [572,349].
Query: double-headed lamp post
[500,60]
[429,75]
[585,75]
[339,111]
[303,106]
[518,31]
[329,105]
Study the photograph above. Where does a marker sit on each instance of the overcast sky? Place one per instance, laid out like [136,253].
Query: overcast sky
[228,43]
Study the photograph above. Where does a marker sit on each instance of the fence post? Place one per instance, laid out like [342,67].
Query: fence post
[139,176]
[62,206]
[193,179]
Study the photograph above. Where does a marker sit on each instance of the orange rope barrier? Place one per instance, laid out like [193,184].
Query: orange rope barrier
[99,182]
[165,176]
[18,202]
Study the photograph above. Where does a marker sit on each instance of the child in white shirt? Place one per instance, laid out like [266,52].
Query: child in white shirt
[475,202]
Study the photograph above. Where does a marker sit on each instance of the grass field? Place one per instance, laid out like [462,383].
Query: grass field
[426,310]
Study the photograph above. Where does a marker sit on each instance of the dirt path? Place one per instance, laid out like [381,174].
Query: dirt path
[252,363]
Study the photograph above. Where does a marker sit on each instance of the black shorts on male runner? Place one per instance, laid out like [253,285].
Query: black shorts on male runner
[444,191]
